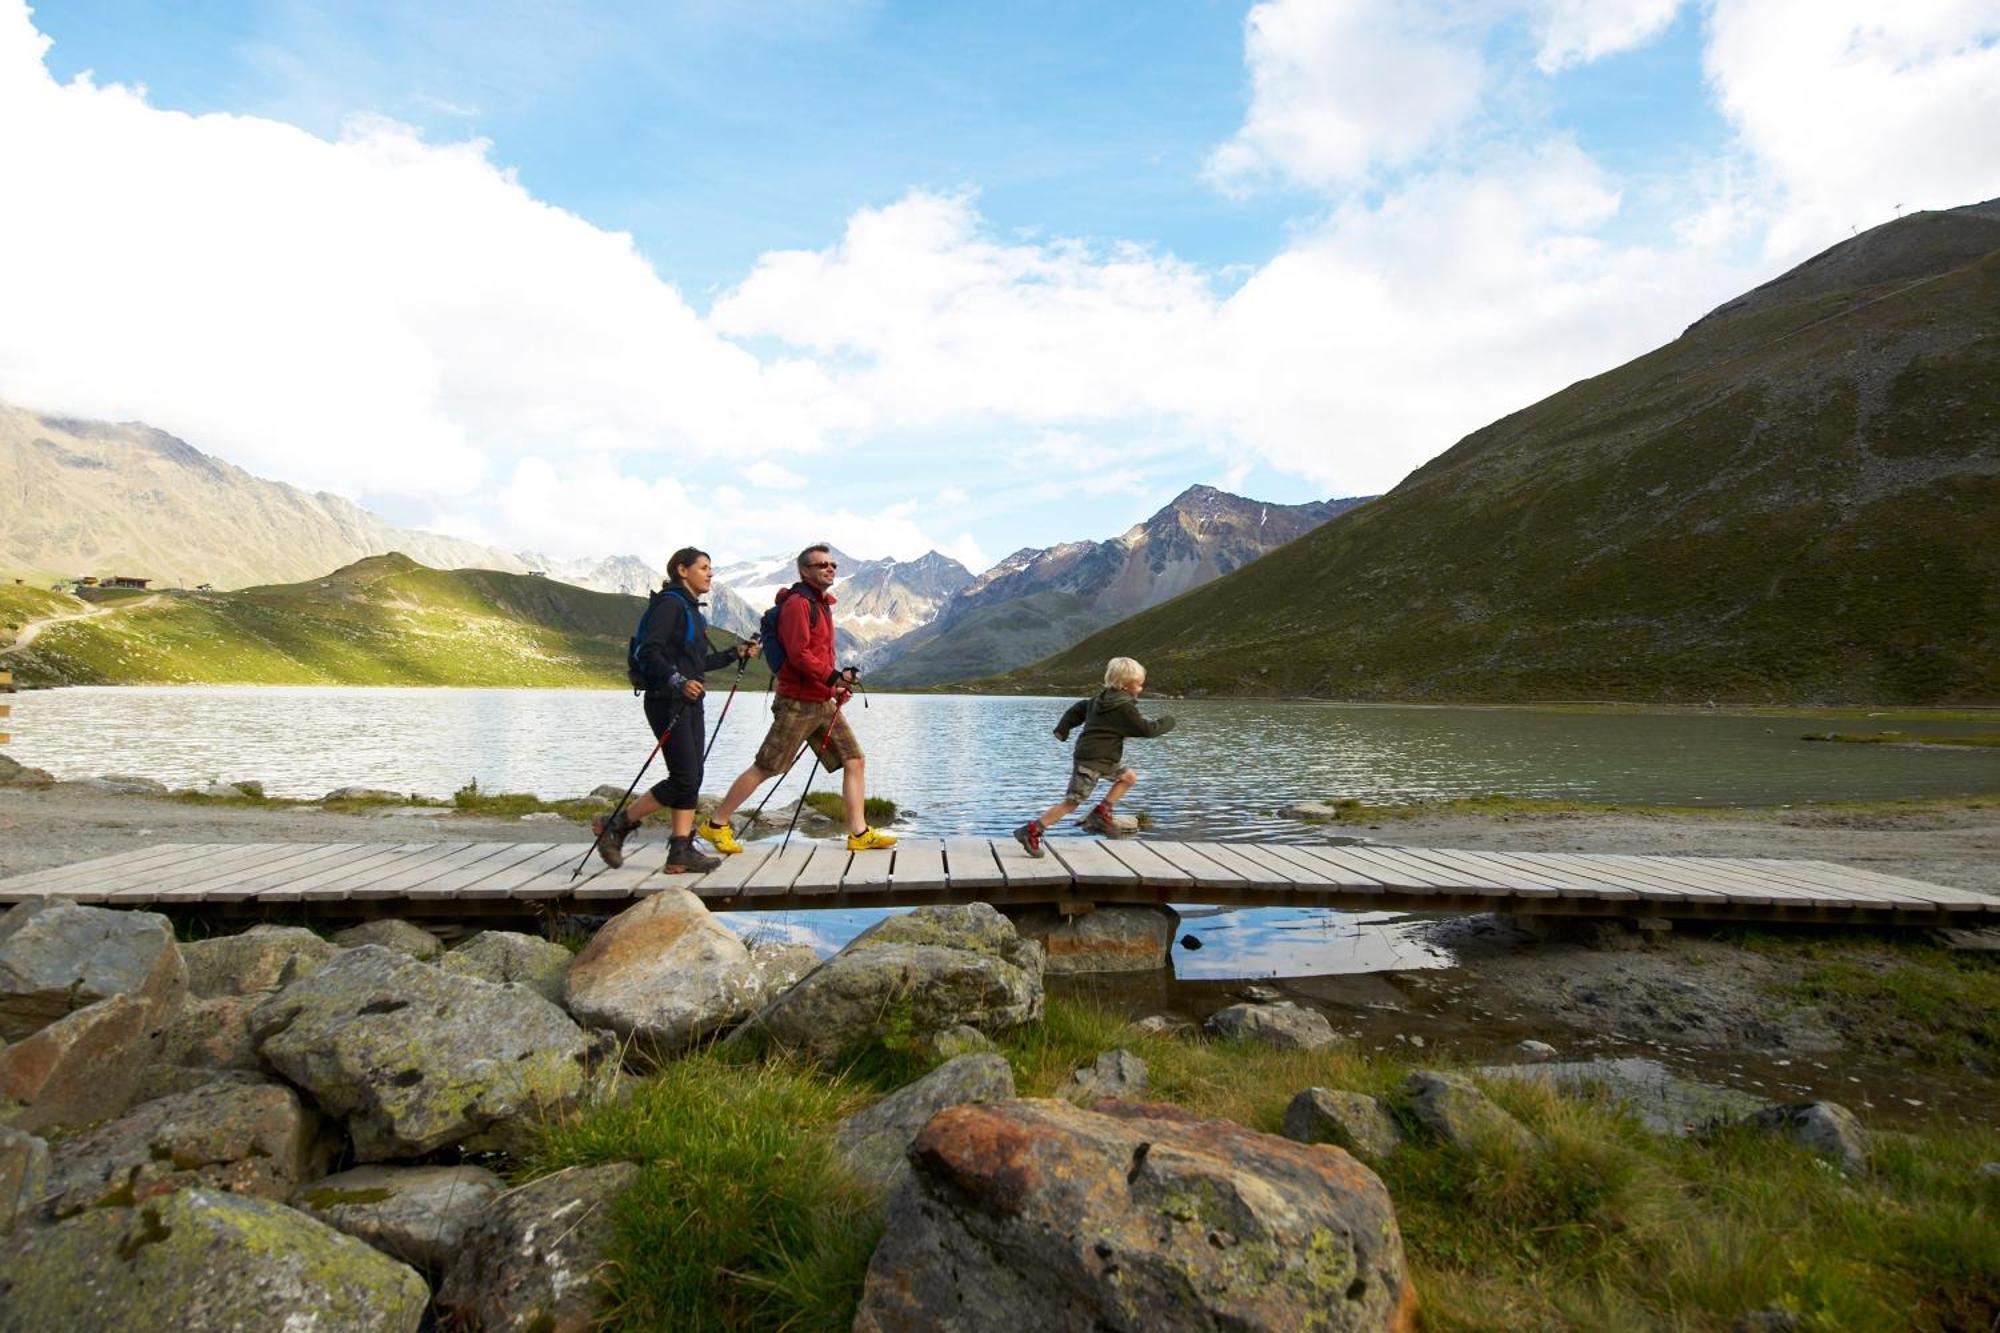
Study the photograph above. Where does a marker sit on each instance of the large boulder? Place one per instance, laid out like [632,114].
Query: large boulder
[199,1260]
[664,972]
[212,1033]
[1111,938]
[536,1260]
[1453,1108]
[24,1175]
[505,955]
[875,1142]
[392,933]
[57,957]
[780,965]
[1351,1120]
[245,1138]
[415,1059]
[79,1069]
[907,978]
[1826,1128]
[1285,1025]
[418,1214]
[1038,1214]
[262,958]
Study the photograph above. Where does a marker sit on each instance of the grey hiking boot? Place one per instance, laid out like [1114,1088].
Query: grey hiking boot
[1100,822]
[683,858]
[611,832]
[1029,835]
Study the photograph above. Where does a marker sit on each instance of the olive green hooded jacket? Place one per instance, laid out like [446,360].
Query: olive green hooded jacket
[1106,721]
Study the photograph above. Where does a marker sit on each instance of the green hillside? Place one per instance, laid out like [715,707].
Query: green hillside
[385,620]
[1796,501]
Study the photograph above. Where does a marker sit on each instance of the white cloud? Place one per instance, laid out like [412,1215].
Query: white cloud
[1576,32]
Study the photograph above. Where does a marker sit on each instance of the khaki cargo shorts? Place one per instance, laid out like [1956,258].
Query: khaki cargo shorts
[1083,780]
[796,722]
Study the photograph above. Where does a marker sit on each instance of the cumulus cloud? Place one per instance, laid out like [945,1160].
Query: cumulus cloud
[1576,32]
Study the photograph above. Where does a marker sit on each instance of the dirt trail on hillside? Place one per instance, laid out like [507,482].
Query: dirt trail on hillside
[34,627]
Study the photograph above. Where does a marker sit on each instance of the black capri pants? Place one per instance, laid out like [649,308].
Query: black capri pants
[682,785]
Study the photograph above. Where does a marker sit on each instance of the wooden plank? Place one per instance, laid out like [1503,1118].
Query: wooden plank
[1852,890]
[1913,890]
[399,881]
[1023,871]
[1255,876]
[368,883]
[237,883]
[823,873]
[1089,862]
[1400,876]
[1153,869]
[451,883]
[634,879]
[167,860]
[1744,885]
[1461,875]
[970,866]
[1341,873]
[919,866]
[776,876]
[1615,879]
[1517,884]
[503,882]
[868,872]
[1305,872]
[1207,874]
[330,884]
[278,884]
[48,881]
[1671,873]
[1565,882]
[728,879]
[193,881]
[548,877]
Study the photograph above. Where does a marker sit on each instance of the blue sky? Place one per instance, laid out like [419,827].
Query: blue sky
[977,277]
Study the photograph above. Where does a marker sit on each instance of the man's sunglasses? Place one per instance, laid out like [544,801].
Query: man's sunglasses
[821,564]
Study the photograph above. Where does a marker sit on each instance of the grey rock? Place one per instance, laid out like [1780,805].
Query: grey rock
[220,791]
[363,794]
[57,957]
[535,1261]
[201,1260]
[392,933]
[505,955]
[1160,1025]
[16,774]
[1257,994]
[243,1138]
[1119,1074]
[1312,812]
[262,958]
[80,1069]
[163,1080]
[212,1033]
[874,1142]
[1351,1120]
[780,965]
[1990,1170]
[24,1175]
[905,979]
[1037,1214]
[1452,1108]
[1538,1051]
[419,1214]
[1112,938]
[952,1043]
[607,792]
[1285,1025]
[1663,1101]
[123,784]
[664,973]
[1826,1128]
[415,1059]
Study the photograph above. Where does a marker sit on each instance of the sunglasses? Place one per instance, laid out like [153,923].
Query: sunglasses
[821,564]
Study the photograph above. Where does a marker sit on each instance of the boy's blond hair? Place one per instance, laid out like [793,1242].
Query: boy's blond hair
[1122,671]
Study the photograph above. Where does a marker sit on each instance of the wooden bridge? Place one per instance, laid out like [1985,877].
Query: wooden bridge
[345,880]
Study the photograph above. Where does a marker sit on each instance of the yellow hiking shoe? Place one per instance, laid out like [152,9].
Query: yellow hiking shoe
[719,836]
[869,840]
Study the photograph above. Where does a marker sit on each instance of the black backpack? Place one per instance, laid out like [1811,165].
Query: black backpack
[634,672]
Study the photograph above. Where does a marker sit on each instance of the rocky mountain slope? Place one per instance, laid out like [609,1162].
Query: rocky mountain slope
[1797,500]
[90,497]
[879,601]
[385,620]
[1037,601]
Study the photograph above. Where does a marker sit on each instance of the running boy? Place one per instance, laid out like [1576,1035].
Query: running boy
[1106,720]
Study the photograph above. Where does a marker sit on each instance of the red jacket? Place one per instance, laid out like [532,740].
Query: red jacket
[808,642]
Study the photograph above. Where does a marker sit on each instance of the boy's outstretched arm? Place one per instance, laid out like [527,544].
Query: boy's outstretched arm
[1072,718]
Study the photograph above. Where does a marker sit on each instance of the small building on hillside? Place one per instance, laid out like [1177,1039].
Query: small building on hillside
[122,581]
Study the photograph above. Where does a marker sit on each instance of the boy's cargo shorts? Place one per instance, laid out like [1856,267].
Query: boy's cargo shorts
[1083,780]
[796,722]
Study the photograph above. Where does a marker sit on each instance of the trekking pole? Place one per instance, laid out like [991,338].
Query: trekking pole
[597,838]
[825,739]
[741,663]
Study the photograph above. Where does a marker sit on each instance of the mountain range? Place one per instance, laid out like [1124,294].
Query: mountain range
[1797,500]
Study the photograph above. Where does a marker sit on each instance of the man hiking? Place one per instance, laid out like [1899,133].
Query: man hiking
[1107,719]
[673,656]
[810,692]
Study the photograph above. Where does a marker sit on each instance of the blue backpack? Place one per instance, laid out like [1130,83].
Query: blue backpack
[634,672]
[774,647]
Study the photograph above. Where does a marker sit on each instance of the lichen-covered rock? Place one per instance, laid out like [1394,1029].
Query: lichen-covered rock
[874,1142]
[1452,1107]
[392,933]
[505,955]
[1826,1128]
[79,1069]
[1113,938]
[952,1043]
[535,1261]
[262,958]
[212,1033]
[664,972]
[1160,1025]
[201,1260]
[1285,1025]
[240,1137]
[1350,1120]
[57,957]
[13,773]
[415,1059]
[418,1214]
[24,1175]
[1037,1214]
[905,979]
[780,965]
[162,1080]
[380,794]
[1119,1074]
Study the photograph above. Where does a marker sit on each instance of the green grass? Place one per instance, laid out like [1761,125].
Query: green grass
[743,1220]
[877,810]
[1349,810]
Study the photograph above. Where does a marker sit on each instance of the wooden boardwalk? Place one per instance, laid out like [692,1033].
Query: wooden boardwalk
[464,879]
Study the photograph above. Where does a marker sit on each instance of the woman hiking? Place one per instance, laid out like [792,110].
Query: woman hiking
[674,655]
